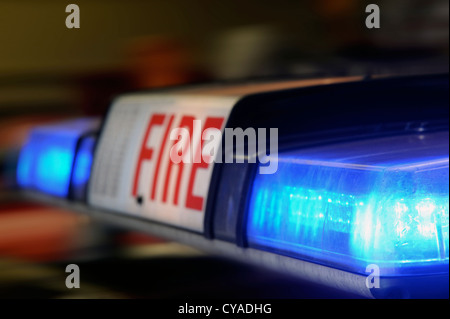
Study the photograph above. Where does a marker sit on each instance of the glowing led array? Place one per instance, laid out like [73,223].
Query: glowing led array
[354,210]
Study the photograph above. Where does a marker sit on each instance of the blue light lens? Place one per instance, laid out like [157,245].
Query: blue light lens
[82,167]
[46,161]
[382,201]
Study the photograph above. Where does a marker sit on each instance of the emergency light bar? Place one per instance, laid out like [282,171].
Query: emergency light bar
[361,179]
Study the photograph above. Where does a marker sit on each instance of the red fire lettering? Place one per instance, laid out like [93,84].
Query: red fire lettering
[158,163]
[146,153]
[188,122]
[193,201]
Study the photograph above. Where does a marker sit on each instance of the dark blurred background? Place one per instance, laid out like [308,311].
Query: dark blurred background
[142,44]
[49,73]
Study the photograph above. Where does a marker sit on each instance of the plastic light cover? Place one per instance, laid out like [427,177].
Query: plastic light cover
[82,167]
[46,160]
[382,201]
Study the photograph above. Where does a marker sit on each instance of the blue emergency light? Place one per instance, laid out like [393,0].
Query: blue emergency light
[382,201]
[47,159]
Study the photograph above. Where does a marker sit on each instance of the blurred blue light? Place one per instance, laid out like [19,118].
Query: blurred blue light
[46,161]
[53,169]
[382,201]
[82,167]
[83,162]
